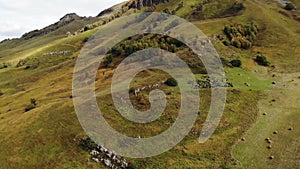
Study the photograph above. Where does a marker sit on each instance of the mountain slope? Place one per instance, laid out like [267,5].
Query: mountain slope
[44,137]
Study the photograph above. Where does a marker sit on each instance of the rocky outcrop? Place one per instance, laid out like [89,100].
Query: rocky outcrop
[69,18]
[105,12]
[140,4]
[62,22]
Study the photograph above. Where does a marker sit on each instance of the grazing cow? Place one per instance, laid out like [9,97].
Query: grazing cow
[94,153]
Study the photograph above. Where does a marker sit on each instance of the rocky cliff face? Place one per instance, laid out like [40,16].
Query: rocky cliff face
[139,4]
[69,18]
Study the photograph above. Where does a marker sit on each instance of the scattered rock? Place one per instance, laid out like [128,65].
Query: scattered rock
[274,83]
[264,114]
[275,132]
[247,84]
[269,147]
[291,128]
[269,140]
[243,139]
[271,157]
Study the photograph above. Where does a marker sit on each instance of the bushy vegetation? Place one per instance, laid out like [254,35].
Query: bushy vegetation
[171,82]
[290,6]
[4,65]
[217,9]
[22,62]
[140,42]
[29,63]
[31,106]
[101,22]
[88,144]
[236,63]
[226,42]
[131,90]
[173,12]
[108,59]
[262,60]
[241,35]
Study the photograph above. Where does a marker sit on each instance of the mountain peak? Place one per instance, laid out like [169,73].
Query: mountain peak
[69,17]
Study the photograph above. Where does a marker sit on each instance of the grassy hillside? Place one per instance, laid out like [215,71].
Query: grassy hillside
[44,136]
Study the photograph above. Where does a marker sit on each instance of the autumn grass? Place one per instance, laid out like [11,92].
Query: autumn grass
[43,137]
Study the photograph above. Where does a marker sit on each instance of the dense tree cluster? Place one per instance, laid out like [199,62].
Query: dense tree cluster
[241,35]
[209,9]
[140,42]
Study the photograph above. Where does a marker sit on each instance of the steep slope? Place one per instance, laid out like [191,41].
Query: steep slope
[44,137]
[33,39]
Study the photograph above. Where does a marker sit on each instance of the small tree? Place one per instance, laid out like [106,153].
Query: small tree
[289,6]
[107,61]
[4,65]
[171,82]
[131,90]
[226,43]
[236,63]
[262,60]
[31,106]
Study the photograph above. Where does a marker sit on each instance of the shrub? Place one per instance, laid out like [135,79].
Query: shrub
[289,6]
[239,6]
[107,61]
[226,43]
[225,62]
[167,11]
[31,106]
[86,39]
[171,82]
[262,60]
[4,65]
[236,43]
[236,63]
[22,62]
[131,90]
